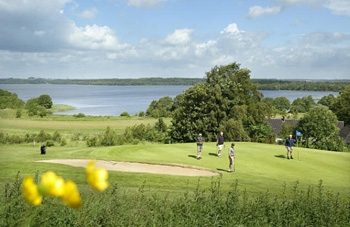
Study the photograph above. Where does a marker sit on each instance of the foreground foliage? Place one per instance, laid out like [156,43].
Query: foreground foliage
[202,207]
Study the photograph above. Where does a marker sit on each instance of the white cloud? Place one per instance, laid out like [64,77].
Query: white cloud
[88,13]
[339,7]
[94,37]
[231,29]
[144,3]
[257,11]
[179,36]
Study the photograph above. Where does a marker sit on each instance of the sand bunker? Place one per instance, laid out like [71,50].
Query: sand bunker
[137,167]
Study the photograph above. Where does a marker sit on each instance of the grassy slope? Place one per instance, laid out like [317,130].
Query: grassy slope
[259,167]
[67,124]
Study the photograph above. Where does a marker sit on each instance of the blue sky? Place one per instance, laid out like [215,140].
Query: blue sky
[282,39]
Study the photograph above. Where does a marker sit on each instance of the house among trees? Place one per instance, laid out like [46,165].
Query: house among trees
[276,125]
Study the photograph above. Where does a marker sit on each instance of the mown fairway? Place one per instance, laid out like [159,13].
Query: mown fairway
[259,167]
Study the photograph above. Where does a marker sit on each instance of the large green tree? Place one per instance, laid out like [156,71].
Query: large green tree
[341,106]
[227,93]
[160,108]
[302,105]
[9,100]
[45,101]
[282,104]
[328,101]
[319,128]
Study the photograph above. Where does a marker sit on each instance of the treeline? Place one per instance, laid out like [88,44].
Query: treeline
[262,84]
[301,85]
[119,82]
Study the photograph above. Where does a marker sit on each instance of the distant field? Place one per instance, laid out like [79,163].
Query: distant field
[259,167]
[67,125]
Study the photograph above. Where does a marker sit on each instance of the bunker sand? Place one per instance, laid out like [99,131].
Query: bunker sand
[135,167]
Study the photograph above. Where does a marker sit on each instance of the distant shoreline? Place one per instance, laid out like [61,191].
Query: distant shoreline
[262,84]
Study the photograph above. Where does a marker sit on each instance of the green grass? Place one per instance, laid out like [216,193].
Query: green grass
[259,167]
[67,124]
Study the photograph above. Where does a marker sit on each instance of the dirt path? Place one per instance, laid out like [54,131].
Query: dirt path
[137,167]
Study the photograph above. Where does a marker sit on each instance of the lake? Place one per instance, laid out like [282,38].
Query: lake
[113,100]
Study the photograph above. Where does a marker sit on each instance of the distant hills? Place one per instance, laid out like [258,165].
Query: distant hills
[262,84]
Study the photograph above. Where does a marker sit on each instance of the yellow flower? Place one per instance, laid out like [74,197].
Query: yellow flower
[71,195]
[52,184]
[30,191]
[97,177]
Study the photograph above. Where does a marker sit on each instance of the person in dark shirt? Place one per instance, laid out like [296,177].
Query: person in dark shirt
[200,141]
[220,143]
[289,146]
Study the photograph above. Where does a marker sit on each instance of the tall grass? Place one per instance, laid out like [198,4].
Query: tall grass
[201,207]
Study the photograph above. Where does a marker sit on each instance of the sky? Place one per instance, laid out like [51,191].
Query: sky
[279,39]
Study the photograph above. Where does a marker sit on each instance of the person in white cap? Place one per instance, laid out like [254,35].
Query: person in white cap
[200,141]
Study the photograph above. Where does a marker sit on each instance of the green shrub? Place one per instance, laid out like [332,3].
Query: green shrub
[43,136]
[19,113]
[63,142]
[79,115]
[125,114]
[50,143]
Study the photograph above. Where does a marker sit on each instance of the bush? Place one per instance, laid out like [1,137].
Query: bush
[63,142]
[50,143]
[19,113]
[125,114]
[92,141]
[43,136]
[141,114]
[79,115]
[56,137]
[108,137]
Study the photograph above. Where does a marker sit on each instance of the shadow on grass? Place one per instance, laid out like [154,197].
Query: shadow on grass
[213,154]
[192,156]
[280,156]
[223,170]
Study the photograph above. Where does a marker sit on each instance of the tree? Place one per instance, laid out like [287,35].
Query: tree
[319,128]
[227,93]
[160,108]
[160,125]
[327,100]
[9,100]
[302,105]
[341,106]
[282,104]
[45,101]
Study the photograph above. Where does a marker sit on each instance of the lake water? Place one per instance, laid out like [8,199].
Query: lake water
[113,100]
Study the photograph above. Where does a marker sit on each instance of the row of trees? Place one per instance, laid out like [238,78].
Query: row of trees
[229,101]
[35,106]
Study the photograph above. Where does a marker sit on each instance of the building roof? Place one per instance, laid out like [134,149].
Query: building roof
[345,133]
[276,125]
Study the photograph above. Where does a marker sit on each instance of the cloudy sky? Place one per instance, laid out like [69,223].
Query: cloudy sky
[282,39]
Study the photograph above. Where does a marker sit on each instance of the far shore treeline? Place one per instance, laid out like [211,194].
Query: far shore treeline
[261,84]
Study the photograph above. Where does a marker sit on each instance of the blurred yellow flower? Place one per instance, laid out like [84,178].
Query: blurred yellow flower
[30,191]
[52,184]
[96,177]
[71,195]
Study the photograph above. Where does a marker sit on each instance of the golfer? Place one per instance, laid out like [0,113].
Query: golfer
[231,158]
[220,143]
[200,141]
[289,146]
